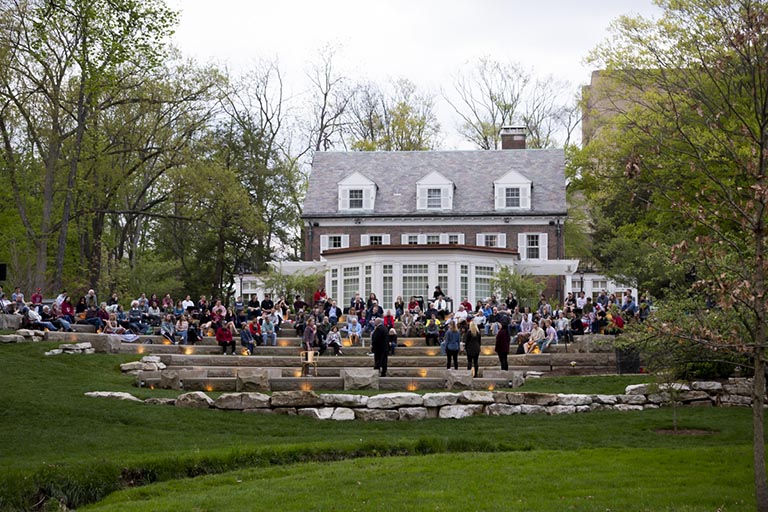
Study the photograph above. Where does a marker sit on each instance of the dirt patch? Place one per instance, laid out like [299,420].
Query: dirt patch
[684,432]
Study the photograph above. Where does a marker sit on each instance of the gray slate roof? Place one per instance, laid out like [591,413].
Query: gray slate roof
[472,172]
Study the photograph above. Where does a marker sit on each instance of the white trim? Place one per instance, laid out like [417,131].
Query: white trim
[514,220]
[325,241]
[522,246]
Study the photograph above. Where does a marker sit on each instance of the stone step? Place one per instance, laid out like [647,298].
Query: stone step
[295,371]
[328,383]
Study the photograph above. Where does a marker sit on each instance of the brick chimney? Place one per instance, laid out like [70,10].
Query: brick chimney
[512,137]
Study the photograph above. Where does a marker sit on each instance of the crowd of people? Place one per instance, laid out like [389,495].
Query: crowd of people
[522,330]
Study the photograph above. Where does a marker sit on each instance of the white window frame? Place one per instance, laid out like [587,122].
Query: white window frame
[352,183]
[325,242]
[482,240]
[431,182]
[512,180]
[365,240]
[522,246]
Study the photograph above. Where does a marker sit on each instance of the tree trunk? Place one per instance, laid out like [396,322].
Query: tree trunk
[758,429]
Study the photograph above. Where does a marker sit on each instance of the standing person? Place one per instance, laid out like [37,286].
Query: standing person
[452,345]
[380,346]
[472,341]
[502,347]
[309,335]
[224,338]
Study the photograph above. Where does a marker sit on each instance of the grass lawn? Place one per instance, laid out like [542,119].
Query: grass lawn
[58,443]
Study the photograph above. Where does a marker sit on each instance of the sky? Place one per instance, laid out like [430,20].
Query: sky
[426,41]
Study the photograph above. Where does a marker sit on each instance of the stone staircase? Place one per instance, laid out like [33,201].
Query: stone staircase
[414,366]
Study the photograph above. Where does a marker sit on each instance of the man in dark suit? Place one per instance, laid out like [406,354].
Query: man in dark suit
[380,346]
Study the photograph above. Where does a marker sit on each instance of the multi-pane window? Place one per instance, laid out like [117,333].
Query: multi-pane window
[415,280]
[334,282]
[464,281]
[386,292]
[453,239]
[483,277]
[368,280]
[433,239]
[334,242]
[375,240]
[434,198]
[491,241]
[532,249]
[413,239]
[442,277]
[512,197]
[355,199]
[350,283]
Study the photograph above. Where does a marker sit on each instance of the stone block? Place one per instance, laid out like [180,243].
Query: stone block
[106,344]
[735,400]
[360,378]
[344,400]
[738,387]
[539,398]
[598,406]
[583,408]
[160,401]
[343,414]
[287,411]
[627,407]
[11,338]
[460,411]
[169,379]
[10,322]
[296,399]
[433,412]
[458,379]
[514,379]
[476,397]
[151,359]
[54,352]
[377,414]
[395,400]
[498,409]
[711,387]
[564,399]
[532,409]
[631,399]
[639,389]
[651,406]
[690,396]
[317,413]
[440,399]
[259,411]
[252,379]
[132,367]
[561,409]
[604,399]
[242,401]
[118,395]
[701,403]
[194,400]
[412,413]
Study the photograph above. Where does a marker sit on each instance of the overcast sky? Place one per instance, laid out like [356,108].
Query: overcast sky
[425,41]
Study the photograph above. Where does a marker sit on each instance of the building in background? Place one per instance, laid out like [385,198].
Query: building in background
[401,223]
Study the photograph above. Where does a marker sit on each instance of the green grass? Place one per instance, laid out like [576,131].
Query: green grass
[599,479]
[59,444]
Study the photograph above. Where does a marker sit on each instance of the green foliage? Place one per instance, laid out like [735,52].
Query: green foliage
[283,284]
[525,288]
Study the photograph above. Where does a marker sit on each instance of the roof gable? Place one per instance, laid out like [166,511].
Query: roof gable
[512,178]
[356,179]
[434,178]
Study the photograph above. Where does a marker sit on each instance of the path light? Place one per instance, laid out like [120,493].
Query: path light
[412,386]
[139,349]
[306,386]
[283,343]
[297,373]
[487,351]
[431,352]
[408,343]
[422,372]
[189,351]
[573,364]
[491,387]
[209,388]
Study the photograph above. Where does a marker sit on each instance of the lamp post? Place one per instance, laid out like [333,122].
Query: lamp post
[581,275]
[240,275]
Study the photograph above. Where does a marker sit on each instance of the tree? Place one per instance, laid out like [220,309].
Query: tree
[525,288]
[691,100]
[57,59]
[330,97]
[493,94]
[401,120]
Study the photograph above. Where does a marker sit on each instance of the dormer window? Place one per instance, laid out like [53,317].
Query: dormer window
[512,192]
[356,193]
[434,192]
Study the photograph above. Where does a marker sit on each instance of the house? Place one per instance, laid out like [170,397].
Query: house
[401,223]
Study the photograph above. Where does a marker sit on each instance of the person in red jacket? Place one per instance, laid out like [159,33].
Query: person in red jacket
[224,338]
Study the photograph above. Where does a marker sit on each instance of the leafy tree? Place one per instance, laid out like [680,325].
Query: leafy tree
[403,120]
[689,96]
[524,287]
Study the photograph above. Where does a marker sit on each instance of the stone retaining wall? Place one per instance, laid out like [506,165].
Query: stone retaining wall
[413,406]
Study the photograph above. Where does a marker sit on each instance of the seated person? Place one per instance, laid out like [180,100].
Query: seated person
[550,336]
[37,322]
[224,338]
[413,304]
[406,323]
[112,326]
[136,319]
[268,334]
[537,334]
[392,341]
[389,319]
[432,331]
[182,328]
[92,318]
[371,317]
[246,338]
[334,341]
[354,331]
[167,329]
